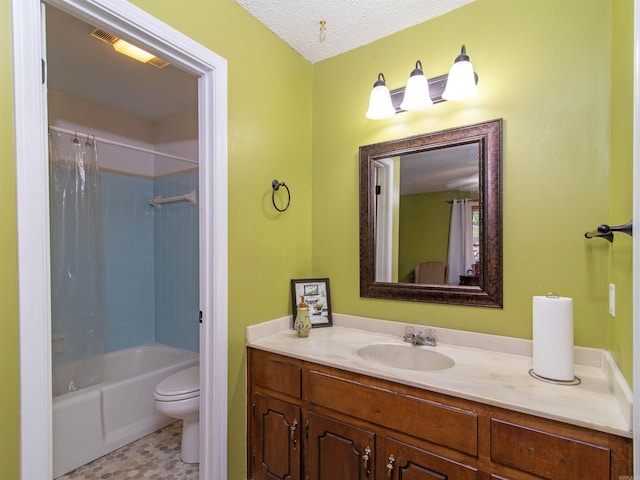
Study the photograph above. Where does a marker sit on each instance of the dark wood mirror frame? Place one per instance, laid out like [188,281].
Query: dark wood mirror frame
[488,293]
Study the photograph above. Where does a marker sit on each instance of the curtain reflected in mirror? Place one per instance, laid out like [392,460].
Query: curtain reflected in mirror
[462,261]
[431,224]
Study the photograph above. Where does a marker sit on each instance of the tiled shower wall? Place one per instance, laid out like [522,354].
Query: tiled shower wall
[176,265]
[151,262]
[129,253]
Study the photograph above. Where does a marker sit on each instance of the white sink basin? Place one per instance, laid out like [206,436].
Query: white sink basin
[406,357]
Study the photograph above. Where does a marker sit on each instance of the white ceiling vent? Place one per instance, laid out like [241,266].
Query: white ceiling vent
[112,40]
[106,37]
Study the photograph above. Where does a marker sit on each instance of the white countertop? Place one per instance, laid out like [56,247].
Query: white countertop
[493,371]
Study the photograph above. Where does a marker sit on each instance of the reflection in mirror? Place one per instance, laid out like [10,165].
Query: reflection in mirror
[430,217]
[431,189]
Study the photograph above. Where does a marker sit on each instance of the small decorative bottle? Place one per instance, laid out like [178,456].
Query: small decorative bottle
[302,325]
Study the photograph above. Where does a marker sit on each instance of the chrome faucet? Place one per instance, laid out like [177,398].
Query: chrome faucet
[418,338]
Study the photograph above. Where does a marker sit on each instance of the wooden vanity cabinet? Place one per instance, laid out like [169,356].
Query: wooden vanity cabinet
[276,434]
[311,422]
[533,448]
[274,417]
[336,449]
[409,462]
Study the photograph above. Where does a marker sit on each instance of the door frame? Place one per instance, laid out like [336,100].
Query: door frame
[384,220]
[636,237]
[32,185]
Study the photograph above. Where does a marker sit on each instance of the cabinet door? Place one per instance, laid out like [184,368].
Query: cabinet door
[275,446]
[548,455]
[407,462]
[338,451]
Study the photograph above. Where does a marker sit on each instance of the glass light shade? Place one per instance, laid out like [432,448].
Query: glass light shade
[416,93]
[461,83]
[380,105]
[132,51]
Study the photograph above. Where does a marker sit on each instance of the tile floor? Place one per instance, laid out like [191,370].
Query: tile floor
[154,457]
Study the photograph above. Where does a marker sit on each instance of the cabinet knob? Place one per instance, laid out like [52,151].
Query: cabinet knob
[392,460]
[292,429]
[365,458]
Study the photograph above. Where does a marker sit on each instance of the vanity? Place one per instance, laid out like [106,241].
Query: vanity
[321,408]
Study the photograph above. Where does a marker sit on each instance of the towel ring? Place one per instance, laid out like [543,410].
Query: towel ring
[275,185]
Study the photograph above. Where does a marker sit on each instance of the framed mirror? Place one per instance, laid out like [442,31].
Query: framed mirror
[431,217]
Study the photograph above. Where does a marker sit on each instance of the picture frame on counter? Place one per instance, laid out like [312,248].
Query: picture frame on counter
[316,295]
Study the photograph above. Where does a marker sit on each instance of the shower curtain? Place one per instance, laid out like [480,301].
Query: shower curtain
[460,240]
[78,288]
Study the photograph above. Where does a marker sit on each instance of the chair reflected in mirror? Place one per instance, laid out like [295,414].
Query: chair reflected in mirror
[431,273]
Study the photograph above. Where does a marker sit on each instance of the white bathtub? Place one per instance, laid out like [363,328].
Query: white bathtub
[96,420]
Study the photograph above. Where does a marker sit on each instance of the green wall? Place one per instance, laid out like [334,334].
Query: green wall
[425,220]
[621,184]
[9,370]
[546,67]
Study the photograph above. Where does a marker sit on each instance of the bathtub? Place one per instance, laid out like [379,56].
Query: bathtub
[96,420]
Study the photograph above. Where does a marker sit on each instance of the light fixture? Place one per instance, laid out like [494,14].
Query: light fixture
[124,47]
[380,105]
[461,83]
[416,93]
[132,51]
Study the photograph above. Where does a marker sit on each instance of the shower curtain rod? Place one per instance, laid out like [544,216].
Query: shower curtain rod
[120,144]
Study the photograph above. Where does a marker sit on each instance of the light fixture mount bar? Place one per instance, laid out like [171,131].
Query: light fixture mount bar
[436,87]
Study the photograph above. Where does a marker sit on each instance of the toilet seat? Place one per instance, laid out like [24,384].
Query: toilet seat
[179,386]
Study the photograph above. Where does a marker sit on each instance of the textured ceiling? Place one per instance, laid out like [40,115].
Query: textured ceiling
[349,23]
[440,169]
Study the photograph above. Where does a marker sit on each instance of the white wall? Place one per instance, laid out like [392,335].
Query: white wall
[176,135]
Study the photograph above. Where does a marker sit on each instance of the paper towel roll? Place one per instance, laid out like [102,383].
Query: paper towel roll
[553,337]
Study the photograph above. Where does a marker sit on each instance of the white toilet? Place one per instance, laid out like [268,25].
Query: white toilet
[178,396]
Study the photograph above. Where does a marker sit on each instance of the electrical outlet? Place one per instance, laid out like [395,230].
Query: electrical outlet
[612,299]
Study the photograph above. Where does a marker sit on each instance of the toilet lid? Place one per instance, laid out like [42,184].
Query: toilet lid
[180,384]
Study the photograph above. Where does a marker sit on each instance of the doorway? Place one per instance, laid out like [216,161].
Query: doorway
[120,18]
